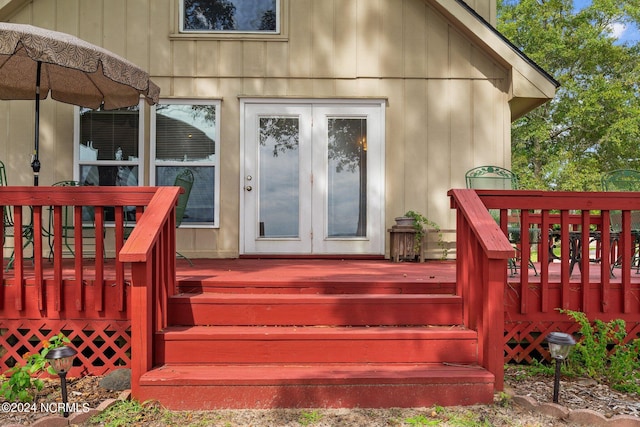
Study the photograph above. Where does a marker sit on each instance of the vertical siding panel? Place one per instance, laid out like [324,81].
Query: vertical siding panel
[66,14]
[5,139]
[253,59]
[345,39]
[300,87]
[159,45]
[440,103]
[114,32]
[503,121]
[90,22]
[137,32]
[183,86]
[437,47]
[324,88]
[323,40]
[484,67]
[36,15]
[414,60]
[486,140]
[207,58]
[391,44]
[369,32]
[21,117]
[300,38]
[442,153]
[184,58]
[56,157]
[277,59]
[416,162]
[394,149]
[231,65]
[228,237]
[462,142]
[253,87]
[460,54]
[208,87]
[275,87]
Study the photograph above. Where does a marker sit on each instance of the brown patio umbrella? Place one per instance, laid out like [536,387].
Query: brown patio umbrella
[35,62]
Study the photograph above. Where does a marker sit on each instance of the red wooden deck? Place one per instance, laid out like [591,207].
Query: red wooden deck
[302,317]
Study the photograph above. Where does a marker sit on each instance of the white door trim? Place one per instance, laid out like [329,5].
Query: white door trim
[374,112]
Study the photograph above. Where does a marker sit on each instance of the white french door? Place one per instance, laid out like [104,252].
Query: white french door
[312,178]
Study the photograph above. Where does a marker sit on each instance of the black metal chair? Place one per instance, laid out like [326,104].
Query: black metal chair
[499,178]
[624,180]
[67,234]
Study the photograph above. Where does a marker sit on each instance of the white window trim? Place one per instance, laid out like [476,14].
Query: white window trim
[76,148]
[215,164]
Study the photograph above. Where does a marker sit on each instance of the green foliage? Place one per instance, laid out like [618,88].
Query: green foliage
[419,223]
[421,420]
[24,383]
[603,355]
[443,416]
[308,418]
[593,123]
[123,413]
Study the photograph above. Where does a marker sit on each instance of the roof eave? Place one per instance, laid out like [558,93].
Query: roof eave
[531,85]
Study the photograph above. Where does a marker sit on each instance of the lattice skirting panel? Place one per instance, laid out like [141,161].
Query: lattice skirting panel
[102,345]
[525,340]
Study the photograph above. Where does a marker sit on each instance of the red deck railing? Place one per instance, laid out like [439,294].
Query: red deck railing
[151,250]
[482,251]
[87,297]
[583,245]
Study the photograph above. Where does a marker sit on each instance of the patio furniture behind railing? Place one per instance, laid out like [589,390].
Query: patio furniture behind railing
[577,224]
[88,299]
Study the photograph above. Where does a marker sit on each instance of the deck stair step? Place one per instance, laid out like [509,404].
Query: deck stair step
[315,309]
[334,338]
[353,285]
[365,385]
[290,344]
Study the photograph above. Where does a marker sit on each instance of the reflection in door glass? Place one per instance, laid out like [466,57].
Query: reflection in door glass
[279,175]
[347,177]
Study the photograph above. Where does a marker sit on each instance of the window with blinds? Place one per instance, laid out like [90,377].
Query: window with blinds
[185,134]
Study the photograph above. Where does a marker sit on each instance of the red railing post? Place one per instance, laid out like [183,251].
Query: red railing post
[482,251]
[151,251]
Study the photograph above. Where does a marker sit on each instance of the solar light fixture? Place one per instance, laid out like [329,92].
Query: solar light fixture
[61,360]
[559,346]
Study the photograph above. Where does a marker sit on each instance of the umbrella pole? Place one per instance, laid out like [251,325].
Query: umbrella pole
[35,162]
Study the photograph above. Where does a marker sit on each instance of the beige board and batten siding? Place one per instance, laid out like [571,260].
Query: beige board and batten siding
[447,98]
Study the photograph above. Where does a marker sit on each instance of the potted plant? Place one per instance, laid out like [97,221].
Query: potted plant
[419,223]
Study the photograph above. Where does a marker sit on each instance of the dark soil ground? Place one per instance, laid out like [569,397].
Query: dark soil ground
[574,394]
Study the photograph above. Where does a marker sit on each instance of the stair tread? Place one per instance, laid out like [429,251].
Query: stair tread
[314,332]
[309,298]
[316,373]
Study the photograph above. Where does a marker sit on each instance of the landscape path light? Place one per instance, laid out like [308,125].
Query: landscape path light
[559,346]
[61,360]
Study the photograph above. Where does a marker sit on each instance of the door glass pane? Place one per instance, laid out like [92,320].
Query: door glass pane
[347,177]
[279,177]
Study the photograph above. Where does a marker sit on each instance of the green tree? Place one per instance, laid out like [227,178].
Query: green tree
[593,123]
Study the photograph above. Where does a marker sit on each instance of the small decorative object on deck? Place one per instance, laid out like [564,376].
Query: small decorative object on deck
[403,243]
[61,359]
[559,346]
